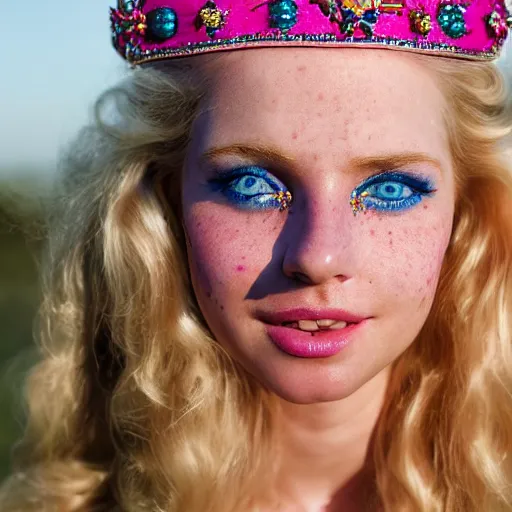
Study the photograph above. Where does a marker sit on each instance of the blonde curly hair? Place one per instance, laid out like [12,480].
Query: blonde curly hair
[135,407]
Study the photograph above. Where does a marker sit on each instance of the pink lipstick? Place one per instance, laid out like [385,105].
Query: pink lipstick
[282,329]
[311,344]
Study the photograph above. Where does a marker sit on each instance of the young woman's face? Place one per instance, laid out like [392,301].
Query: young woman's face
[325,126]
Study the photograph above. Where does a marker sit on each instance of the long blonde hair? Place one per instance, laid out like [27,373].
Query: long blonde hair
[135,407]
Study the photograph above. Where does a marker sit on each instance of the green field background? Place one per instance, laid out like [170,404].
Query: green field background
[19,301]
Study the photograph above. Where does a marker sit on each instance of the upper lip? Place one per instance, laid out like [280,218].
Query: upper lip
[296,314]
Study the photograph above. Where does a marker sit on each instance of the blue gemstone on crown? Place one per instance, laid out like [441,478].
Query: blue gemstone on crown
[451,20]
[370,17]
[162,24]
[283,14]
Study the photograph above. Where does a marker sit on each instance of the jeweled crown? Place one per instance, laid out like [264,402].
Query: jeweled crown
[148,30]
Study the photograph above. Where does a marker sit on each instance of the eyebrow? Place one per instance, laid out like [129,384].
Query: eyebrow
[270,154]
[254,151]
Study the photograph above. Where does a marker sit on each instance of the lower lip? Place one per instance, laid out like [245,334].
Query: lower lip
[299,343]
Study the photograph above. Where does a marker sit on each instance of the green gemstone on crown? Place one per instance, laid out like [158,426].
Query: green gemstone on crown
[451,20]
[162,23]
[283,14]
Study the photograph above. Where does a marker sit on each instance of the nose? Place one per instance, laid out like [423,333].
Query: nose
[320,243]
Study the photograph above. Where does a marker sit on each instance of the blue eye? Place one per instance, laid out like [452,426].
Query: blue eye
[249,187]
[393,190]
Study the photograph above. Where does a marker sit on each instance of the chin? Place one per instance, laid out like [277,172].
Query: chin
[304,381]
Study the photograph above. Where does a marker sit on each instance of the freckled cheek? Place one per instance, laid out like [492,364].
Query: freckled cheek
[226,251]
[413,263]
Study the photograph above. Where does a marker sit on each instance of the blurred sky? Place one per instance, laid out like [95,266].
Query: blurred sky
[58,59]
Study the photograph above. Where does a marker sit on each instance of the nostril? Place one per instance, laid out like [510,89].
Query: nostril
[299,276]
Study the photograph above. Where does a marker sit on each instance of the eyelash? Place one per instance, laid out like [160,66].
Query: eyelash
[419,186]
[265,196]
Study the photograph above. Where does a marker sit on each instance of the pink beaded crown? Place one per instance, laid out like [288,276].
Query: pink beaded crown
[148,30]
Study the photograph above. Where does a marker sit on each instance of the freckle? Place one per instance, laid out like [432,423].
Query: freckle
[243,257]
[390,232]
[301,68]
[391,243]
[209,295]
[320,96]
[372,232]
[198,224]
[406,274]
[380,219]
[425,206]
[370,282]
[315,157]
[237,231]
[319,114]
[294,135]
[241,268]
[222,308]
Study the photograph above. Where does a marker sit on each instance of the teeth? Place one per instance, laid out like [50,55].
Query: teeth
[316,325]
[308,325]
[339,325]
[325,323]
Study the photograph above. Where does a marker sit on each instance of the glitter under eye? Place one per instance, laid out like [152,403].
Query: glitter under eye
[392,191]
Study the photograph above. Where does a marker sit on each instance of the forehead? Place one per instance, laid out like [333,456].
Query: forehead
[361,102]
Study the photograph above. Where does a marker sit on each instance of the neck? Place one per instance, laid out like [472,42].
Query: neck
[326,462]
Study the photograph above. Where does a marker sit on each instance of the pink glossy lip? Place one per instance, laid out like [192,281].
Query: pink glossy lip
[311,345]
[325,343]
